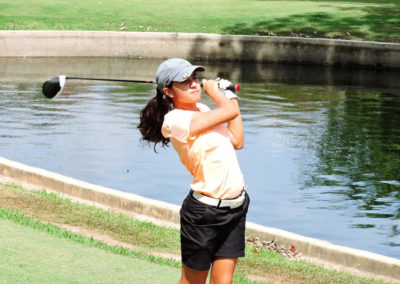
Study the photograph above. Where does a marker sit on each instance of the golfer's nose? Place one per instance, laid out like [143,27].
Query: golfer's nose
[194,83]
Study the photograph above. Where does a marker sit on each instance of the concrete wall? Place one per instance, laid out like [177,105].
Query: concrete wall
[322,252]
[199,46]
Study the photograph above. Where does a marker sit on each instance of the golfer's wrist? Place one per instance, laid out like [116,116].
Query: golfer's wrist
[229,94]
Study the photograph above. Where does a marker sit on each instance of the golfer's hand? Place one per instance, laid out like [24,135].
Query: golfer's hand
[211,88]
[223,87]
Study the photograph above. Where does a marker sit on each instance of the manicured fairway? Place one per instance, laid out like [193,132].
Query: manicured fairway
[348,19]
[32,256]
[32,250]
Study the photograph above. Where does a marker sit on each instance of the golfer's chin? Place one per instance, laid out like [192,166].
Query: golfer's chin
[194,97]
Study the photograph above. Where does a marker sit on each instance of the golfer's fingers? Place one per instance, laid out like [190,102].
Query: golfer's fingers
[209,86]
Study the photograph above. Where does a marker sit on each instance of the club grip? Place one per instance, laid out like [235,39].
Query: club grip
[231,87]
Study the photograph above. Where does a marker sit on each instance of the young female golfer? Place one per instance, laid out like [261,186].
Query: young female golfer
[213,215]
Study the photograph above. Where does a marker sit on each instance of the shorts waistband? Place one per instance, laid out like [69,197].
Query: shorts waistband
[220,203]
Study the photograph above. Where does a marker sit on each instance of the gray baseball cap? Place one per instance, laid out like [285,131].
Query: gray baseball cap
[175,70]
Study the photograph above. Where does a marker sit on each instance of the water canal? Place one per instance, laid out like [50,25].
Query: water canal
[322,146]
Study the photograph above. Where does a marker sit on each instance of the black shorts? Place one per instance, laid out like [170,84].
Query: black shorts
[208,232]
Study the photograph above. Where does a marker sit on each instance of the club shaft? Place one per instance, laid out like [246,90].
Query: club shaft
[232,88]
[111,80]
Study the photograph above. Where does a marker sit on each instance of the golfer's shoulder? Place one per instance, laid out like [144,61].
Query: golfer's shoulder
[181,117]
[176,114]
[176,122]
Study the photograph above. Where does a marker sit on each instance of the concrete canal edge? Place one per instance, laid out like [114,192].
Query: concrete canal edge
[292,50]
[318,251]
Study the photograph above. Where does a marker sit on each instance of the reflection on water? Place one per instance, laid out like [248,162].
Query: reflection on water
[321,161]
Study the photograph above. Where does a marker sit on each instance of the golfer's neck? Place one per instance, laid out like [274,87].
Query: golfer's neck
[183,106]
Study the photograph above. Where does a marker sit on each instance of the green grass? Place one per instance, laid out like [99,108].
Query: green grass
[377,20]
[49,207]
[296,271]
[33,252]
[55,255]
[35,209]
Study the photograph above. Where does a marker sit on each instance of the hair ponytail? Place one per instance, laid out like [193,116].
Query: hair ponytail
[152,118]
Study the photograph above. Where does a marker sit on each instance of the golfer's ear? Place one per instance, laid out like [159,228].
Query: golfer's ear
[169,92]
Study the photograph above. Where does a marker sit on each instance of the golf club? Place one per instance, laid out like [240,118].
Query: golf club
[54,86]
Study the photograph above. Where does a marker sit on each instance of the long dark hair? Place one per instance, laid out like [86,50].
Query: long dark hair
[152,118]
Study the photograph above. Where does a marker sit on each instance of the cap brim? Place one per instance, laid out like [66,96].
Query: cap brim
[185,73]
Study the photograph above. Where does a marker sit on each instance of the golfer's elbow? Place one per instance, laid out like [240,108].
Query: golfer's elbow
[237,142]
[238,146]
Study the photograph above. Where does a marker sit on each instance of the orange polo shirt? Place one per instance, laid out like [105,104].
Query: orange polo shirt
[209,156]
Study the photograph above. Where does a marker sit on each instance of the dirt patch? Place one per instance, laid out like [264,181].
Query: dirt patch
[112,241]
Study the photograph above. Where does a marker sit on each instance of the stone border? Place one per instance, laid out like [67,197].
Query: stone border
[322,252]
[330,52]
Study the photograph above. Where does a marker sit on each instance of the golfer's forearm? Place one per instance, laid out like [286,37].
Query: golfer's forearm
[229,106]
[202,121]
[236,129]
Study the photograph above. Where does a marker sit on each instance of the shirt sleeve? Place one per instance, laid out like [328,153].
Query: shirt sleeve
[176,125]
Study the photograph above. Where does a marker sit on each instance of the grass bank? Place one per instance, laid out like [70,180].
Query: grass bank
[38,238]
[376,20]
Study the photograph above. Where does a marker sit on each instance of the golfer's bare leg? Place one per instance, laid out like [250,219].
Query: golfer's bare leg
[192,276]
[222,270]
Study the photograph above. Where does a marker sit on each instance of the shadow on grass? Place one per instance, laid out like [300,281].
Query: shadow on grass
[374,23]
